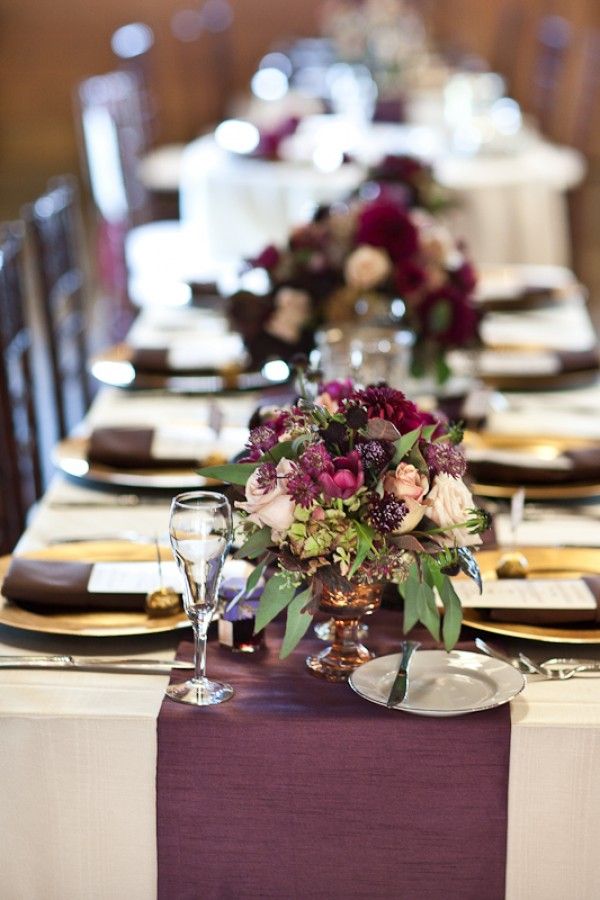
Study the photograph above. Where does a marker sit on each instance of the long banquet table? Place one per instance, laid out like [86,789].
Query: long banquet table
[78,750]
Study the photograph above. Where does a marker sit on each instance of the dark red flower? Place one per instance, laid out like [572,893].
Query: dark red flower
[393,406]
[386,224]
[409,277]
[267,258]
[465,277]
[345,479]
[448,316]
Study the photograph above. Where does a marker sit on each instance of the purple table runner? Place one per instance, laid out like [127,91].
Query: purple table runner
[297,788]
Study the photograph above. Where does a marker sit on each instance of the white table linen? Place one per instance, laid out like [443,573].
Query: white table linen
[78,750]
[512,207]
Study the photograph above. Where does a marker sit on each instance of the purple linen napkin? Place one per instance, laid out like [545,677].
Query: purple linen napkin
[52,586]
[130,448]
[298,788]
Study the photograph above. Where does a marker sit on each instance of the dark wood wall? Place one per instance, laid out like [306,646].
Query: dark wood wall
[47,46]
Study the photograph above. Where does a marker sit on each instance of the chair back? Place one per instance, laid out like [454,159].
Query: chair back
[55,234]
[20,467]
[553,41]
[132,45]
[114,141]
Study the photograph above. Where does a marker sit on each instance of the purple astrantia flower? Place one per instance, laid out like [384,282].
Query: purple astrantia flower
[265,436]
[266,477]
[302,488]
[346,478]
[315,460]
[445,458]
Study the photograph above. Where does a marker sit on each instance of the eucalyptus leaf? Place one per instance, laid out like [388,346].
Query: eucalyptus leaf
[469,566]
[409,590]
[232,473]
[279,451]
[428,611]
[406,443]
[416,458]
[366,535]
[255,575]
[256,544]
[277,594]
[297,623]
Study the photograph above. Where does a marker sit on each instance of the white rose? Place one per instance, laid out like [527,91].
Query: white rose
[292,312]
[367,267]
[274,508]
[447,504]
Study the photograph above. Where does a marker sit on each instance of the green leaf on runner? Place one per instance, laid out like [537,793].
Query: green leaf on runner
[256,544]
[297,623]
[277,594]
[232,473]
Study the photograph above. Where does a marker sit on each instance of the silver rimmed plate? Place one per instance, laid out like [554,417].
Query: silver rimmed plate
[441,684]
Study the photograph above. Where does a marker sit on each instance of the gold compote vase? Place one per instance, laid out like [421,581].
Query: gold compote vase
[346,607]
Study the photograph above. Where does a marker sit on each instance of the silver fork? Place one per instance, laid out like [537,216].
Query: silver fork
[559,673]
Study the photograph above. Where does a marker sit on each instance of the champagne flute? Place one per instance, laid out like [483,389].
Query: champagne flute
[200,530]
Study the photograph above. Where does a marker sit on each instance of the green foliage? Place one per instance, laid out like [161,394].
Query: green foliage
[297,623]
[277,594]
[419,592]
[366,535]
[405,444]
[256,544]
[232,473]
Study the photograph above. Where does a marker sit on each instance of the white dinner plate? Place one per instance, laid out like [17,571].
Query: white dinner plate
[440,683]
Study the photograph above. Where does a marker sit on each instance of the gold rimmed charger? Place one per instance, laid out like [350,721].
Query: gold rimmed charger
[71,457]
[115,367]
[541,448]
[90,623]
[552,563]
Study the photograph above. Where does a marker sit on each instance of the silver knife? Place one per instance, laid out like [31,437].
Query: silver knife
[400,685]
[105,663]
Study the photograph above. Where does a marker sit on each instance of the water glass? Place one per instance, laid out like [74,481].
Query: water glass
[200,530]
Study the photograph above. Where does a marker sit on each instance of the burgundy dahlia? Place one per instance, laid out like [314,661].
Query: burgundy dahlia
[393,406]
[386,224]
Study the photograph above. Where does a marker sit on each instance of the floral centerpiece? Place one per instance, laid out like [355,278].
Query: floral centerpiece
[356,489]
[364,254]
[413,180]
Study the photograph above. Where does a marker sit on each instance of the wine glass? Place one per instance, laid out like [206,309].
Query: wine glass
[200,529]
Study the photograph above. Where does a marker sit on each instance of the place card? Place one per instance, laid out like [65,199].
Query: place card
[517,362]
[518,458]
[196,442]
[207,352]
[133,577]
[526,594]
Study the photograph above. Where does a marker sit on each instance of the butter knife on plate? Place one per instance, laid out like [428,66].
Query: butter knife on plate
[400,684]
[95,664]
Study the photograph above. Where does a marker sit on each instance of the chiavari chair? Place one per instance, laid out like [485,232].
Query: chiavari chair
[554,36]
[54,230]
[20,466]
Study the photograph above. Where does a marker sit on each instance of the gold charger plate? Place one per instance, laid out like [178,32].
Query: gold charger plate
[114,367]
[540,447]
[90,624]
[70,456]
[544,562]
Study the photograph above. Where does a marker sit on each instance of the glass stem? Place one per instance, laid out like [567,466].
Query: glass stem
[199,651]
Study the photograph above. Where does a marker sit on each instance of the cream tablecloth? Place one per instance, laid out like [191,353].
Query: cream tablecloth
[78,750]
